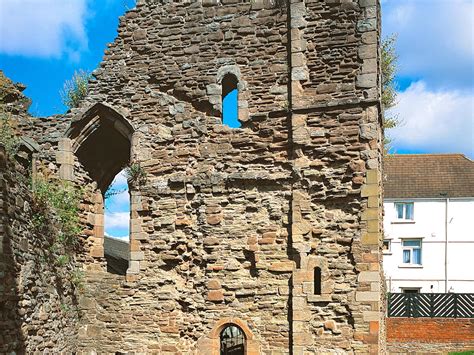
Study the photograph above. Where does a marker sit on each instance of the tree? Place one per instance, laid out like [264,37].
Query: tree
[389,93]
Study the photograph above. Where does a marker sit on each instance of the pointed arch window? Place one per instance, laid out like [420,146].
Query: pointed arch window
[103,142]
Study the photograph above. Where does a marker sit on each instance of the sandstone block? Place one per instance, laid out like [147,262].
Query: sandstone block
[302,339]
[213,284]
[371,315]
[283,266]
[368,80]
[367,276]
[367,25]
[369,190]
[370,238]
[215,295]
[367,296]
[367,51]
[368,131]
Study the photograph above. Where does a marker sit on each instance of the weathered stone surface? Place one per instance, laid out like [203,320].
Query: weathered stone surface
[36,292]
[230,225]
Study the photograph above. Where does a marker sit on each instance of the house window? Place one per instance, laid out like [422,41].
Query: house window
[410,289]
[411,251]
[386,247]
[404,211]
[232,341]
[230,101]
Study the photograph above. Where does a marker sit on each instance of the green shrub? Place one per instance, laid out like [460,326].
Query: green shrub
[62,198]
[8,137]
[136,175]
[77,279]
[76,89]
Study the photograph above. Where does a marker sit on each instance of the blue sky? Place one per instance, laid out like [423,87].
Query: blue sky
[42,42]
[42,47]
[436,74]
[117,208]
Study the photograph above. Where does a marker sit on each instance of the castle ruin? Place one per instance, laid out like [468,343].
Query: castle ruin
[267,234]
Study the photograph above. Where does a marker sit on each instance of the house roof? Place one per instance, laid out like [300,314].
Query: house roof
[428,175]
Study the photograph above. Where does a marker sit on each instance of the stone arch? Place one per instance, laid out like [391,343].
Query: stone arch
[210,344]
[104,142]
[108,133]
[234,71]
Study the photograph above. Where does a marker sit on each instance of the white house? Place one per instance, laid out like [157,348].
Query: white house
[429,223]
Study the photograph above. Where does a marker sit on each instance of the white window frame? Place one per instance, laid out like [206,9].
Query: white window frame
[404,289]
[411,248]
[404,217]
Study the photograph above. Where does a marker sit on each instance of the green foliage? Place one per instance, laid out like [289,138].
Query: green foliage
[77,279]
[389,69]
[136,175]
[62,260]
[65,308]
[8,136]
[63,198]
[389,90]
[76,89]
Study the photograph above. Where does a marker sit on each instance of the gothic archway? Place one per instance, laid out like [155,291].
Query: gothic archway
[103,141]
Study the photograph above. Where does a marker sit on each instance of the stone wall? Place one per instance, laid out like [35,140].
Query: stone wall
[116,247]
[230,224]
[38,311]
[439,335]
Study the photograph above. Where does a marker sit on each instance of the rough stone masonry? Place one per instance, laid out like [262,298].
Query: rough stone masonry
[274,226]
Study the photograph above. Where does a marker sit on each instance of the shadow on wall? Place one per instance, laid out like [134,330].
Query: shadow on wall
[37,295]
[11,337]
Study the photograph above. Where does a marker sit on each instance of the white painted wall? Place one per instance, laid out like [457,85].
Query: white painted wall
[429,224]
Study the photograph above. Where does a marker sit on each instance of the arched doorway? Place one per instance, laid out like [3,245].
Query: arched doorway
[232,340]
[104,142]
[228,334]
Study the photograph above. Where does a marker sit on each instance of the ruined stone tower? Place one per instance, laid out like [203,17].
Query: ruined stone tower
[272,227]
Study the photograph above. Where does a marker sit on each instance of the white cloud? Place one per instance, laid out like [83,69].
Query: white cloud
[435,40]
[119,202]
[120,180]
[117,220]
[122,237]
[434,121]
[122,200]
[43,28]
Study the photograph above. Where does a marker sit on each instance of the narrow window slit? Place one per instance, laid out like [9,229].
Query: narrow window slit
[230,101]
[317,280]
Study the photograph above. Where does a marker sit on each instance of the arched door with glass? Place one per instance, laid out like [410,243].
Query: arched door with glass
[232,341]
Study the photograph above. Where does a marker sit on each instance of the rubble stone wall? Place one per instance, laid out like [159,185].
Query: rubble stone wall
[230,224]
[38,307]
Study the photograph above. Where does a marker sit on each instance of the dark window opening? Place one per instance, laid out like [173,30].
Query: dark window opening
[317,280]
[230,101]
[232,341]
